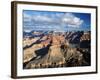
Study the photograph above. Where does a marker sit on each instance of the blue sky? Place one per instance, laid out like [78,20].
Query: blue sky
[57,21]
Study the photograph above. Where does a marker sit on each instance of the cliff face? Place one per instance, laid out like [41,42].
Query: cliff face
[57,50]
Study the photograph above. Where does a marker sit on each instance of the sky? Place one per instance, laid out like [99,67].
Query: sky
[55,21]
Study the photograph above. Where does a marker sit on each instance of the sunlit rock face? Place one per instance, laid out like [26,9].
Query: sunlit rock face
[29,53]
[56,50]
[55,54]
[73,57]
[28,41]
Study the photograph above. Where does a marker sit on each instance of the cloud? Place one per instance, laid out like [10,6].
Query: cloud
[71,20]
[27,17]
[41,18]
[66,19]
[57,21]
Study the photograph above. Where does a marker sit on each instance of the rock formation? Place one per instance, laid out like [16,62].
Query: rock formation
[56,50]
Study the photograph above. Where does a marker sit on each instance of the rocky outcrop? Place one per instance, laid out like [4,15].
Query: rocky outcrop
[57,50]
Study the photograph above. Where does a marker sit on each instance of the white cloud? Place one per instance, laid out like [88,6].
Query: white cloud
[27,17]
[42,18]
[59,15]
[67,19]
[71,20]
